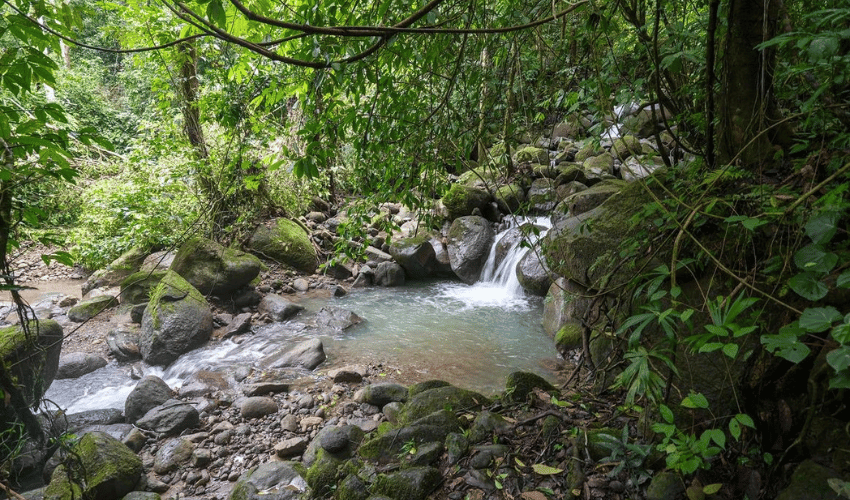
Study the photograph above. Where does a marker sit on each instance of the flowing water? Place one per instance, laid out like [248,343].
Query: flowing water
[472,336]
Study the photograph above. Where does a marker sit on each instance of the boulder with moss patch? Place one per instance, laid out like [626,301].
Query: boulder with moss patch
[32,358]
[510,197]
[410,484]
[416,255]
[213,268]
[286,242]
[107,469]
[462,200]
[90,308]
[520,384]
[626,146]
[531,154]
[136,288]
[176,320]
[484,177]
[469,242]
[441,398]
[270,481]
[125,265]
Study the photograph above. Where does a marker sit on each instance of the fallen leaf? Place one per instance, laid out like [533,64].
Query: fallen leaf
[545,470]
[532,495]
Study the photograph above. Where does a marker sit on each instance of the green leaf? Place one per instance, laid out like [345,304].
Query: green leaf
[840,381]
[216,13]
[822,227]
[666,413]
[735,429]
[786,344]
[843,279]
[814,259]
[545,470]
[745,420]
[717,436]
[839,359]
[730,350]
[806,285]
[695,400]
[819,319]
[711,489]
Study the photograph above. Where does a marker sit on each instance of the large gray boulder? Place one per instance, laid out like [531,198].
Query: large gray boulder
[337,318]
[389,274]
[469,242]
[542,195]
[136,288]
[33,360]
[308,354]
[213,268]
[286,242]
[270,481]
[443,268]
[416,255]
[566,301]
[462,200]
[149,393]
[105,468]
[170,418]
[590,198]
[90,308]
[176,320]
[533,273]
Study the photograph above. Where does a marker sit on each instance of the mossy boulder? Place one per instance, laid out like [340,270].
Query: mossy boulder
[107,469]
[176,320]
[589,150]
[90,308]
[542,195]
[440,398]
[286,242]
[568,337]
[469,242]
[390,445]
[810,480]
[125,265]
[425,386]
[565,301]
[136,288]
[599,166]
[485,177]
[570,172]
[531,154]
[586,248]
[322,476]
[626,146]
[590,198]
[410,484]
[213,268]
[520,384]
[510,197]
[462,200]
[32,359]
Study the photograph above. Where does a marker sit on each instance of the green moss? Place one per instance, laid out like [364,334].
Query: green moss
[165,295]
[569,336]
[442,398]
[286,242]
[415,389]
[323,474]
[410,484]
[531,154]
[520,384]
[462,200]
[136,288]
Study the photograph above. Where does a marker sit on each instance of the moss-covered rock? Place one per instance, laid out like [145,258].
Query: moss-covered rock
[485,177]
[176,320]
[598,166]
[590,198]
[485,425]
[586,248]
[510,197]
[213,268]
[286,242]
[542,195]
[594,441]
[90,308]
[415,389]
[392,444]
[136,288]
[666,485]
[351,488]
[415,255]
[322,476]
[589,150]
[125,265]
[520,384]
[32,360]
[810,480]
[463,200]
[626,146]
[448,397]
[570,172]
[531,154]
[107,470]
[568,336]
[410,484]
[270,481]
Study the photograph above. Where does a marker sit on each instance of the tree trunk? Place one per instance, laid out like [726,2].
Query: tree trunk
[189,92]
[746,105]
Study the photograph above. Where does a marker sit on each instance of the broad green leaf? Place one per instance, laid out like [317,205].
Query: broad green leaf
[545,470]
[840,381]
[745,420]
[711,489]
[216,14]
[806,285]
[822,227]
[839,359]
[814,259]
[841,333]
[735,429]
[843,279]
[819,319]
[666,413]
[730,350]
[718,436]
[786,344]
[695,400]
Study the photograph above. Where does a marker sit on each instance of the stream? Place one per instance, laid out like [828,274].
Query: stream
[472,336]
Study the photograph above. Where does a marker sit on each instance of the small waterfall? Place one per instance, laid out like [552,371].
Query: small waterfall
[502,273]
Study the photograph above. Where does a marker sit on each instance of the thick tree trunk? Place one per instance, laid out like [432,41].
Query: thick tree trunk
[746,105]
[189,92]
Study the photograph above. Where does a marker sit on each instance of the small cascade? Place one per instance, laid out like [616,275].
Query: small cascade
[503,273]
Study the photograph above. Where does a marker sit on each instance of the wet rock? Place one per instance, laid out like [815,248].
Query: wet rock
[125,265]
[348,374]
[665,486]
[279,308]
[456,447]
[533,273]
[301,285]
[416,255]
[411,484]
[469,242]
[149,393]
[365,278]
[257,406]
[237,326]
[543,195]
[451,397]
[136,288]
[389,274]
[123,343]
[463,200]
[79,421]
[482,456]
[77,364]
[170,418]
[308,354]
[263,388]
[353,488]
[286,242]
[336,318]
[520,384]
[486,425]
[172,454]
